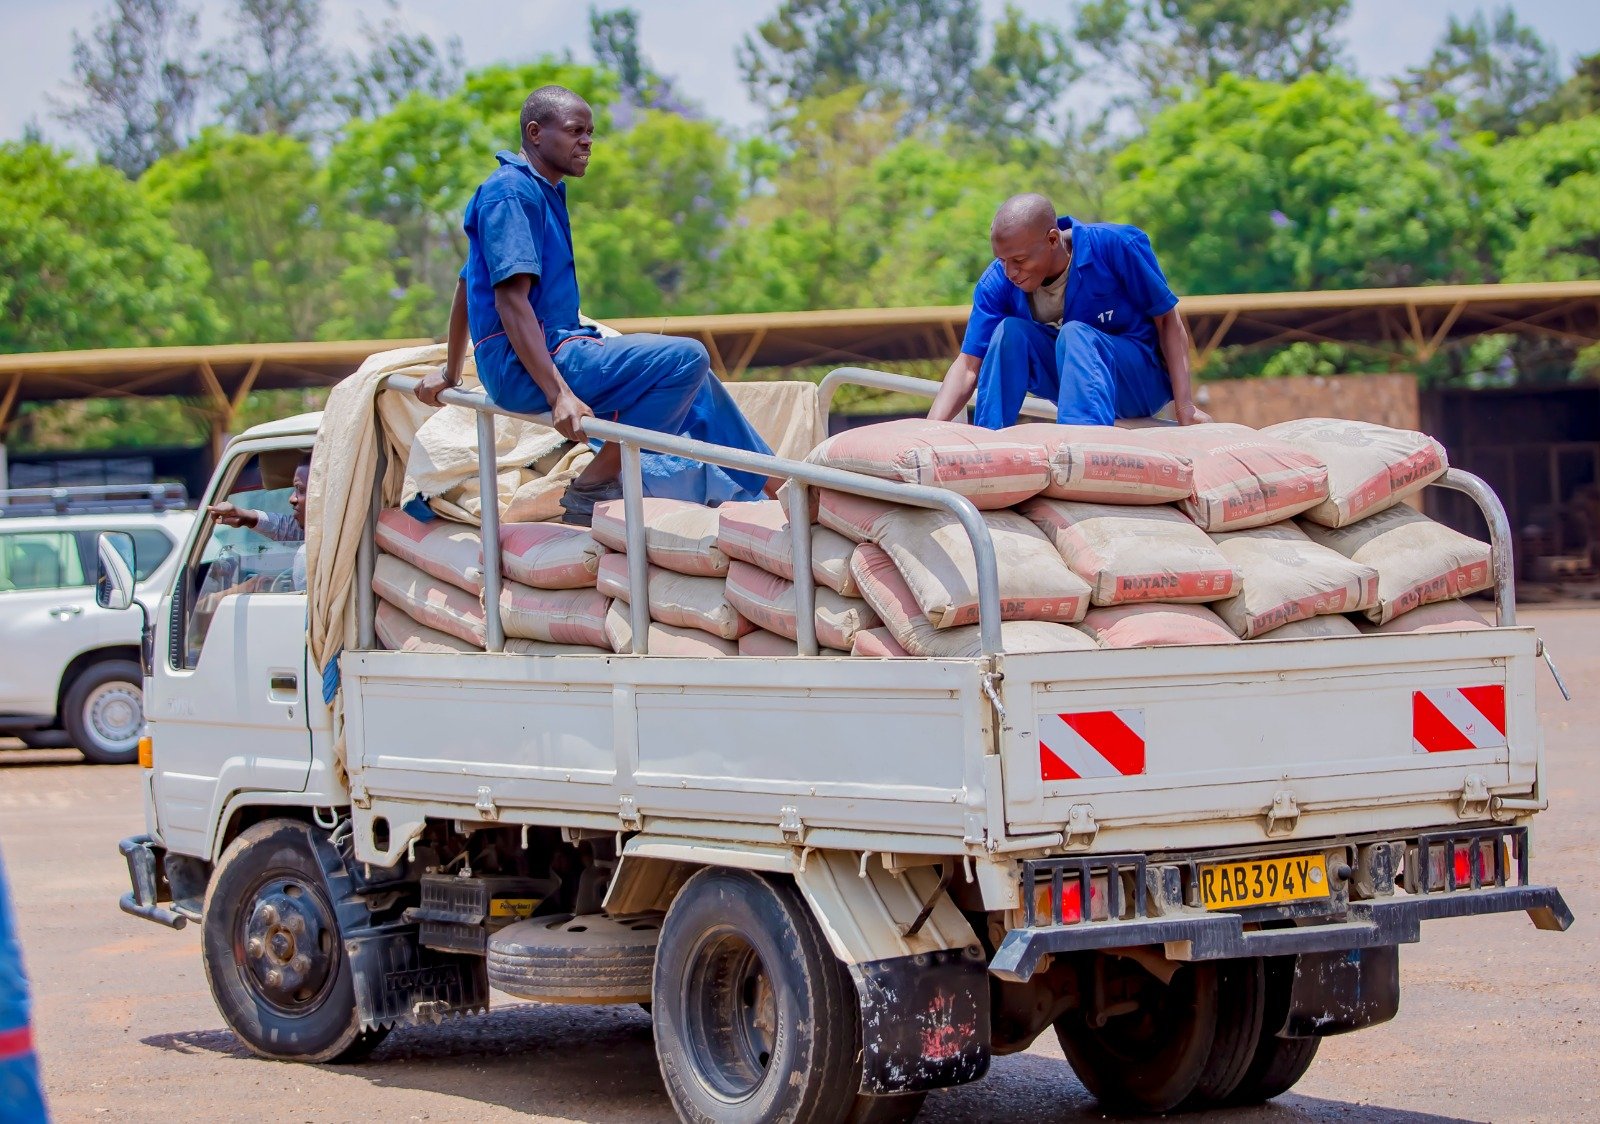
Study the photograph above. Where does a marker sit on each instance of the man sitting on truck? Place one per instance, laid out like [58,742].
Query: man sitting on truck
[1076,312]
[518,297]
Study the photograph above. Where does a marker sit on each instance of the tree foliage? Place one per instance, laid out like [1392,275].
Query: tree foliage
[1255,187]
[274,74]
[398,62]
[1551,180]
[1496,75]
[136,83]
[85,262]
[1163,48]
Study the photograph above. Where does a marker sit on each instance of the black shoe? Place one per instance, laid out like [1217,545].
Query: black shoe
[577,503]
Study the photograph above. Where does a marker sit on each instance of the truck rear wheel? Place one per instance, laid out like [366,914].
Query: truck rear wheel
[755,1018]
[1150,1055]
[103,712]
[1241,1000]
[1277,1063]
[273,954]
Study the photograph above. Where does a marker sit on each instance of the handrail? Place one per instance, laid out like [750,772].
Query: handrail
[1501,562]
[1032,405]
[801,476]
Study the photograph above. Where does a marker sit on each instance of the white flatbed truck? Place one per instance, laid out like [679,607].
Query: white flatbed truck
[839,883]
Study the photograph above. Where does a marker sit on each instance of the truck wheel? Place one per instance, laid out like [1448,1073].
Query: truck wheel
[1241,1000]
[1277,1063]
[272,951]
[755,1018]
[103,712]
[1150,1059]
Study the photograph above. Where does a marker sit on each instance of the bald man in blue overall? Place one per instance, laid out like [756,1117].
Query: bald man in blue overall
[1077,313]
[518,298]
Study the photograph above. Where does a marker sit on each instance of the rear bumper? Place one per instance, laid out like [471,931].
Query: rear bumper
[1198,935]
[144,856]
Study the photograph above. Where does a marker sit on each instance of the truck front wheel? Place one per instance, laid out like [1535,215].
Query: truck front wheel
[272,951]
[755,1018]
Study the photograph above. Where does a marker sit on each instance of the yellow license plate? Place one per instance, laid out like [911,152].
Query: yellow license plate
[1263,882]
[513,907]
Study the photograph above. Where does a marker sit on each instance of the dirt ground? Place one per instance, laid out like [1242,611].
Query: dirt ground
[1498,1022]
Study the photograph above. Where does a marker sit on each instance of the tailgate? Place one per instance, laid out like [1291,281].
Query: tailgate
[1169,747]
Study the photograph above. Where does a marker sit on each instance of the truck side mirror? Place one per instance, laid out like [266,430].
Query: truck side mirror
[114,570]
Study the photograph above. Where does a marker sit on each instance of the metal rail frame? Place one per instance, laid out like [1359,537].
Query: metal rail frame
[801,478]
[1454,479]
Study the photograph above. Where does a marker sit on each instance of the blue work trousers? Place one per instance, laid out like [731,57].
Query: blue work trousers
[1093,378]
[21,1096]
[662,383]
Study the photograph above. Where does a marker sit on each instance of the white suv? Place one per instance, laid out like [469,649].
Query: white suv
[69,670]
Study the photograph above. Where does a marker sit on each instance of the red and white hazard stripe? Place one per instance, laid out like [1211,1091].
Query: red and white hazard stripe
[1444,719]
[1091,745]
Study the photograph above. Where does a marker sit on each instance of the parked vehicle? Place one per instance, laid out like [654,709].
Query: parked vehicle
[69,670]
[838,883]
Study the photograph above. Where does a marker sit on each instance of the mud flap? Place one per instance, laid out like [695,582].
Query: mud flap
[1337,992]
[397,981]
[924,1020]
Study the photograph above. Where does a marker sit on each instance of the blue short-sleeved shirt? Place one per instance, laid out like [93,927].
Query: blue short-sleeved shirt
[1115,285]
[516,222]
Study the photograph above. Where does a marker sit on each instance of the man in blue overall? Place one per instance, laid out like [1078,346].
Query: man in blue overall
[518,297]
[1075,312]
[21,1098]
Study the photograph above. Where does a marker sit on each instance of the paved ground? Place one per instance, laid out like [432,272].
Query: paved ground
[1499,1022]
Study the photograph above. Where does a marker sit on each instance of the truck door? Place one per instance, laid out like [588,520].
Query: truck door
[227,711]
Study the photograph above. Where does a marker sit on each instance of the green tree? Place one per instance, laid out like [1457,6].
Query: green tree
[86,262]
[287,261]
[1487,75]
[274,74]
[135,83]
[397,62]
[1254,187]
[1166,47]
[1015,91]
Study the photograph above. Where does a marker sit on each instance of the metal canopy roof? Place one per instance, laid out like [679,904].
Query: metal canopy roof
[1400,323]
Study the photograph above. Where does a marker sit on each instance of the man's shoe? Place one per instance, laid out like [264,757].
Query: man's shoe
[577,503]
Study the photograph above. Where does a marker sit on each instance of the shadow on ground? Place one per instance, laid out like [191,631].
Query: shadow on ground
[598,1065]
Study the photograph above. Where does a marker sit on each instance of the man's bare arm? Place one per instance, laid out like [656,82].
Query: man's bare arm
[956,390]
[455,351]
[567,410]
[1174,338]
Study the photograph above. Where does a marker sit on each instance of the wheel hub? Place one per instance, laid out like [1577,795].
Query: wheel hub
[115,712]
[288,947]
[732,1015]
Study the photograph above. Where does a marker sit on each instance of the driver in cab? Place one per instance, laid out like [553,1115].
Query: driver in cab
[274,525]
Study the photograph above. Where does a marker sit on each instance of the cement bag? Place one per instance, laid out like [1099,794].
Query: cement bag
[1370,467]
[769,602]
[1241,478]
[991,470]
[1129,554]
[427,600]
[877,643]
[935,556]
[1312,628]
[1156,626]
[1104,464]
[549,555]
[891,598]
[554,616]
[677,599]
[678,535]
[1287,577]
[664,639]
[1418,561]
[764,643]
[1441,616]
[758,533]
[451,552]
[397,632]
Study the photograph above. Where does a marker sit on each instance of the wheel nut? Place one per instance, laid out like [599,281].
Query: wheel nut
[269,913]
[301,963]
[295,923]
[255,947]
[274,978]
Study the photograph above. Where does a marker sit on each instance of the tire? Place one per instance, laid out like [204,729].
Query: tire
[886,1110]
[267,911]
[1152,1059]
[755,1018]
[1241,1002]
[103,712]
[46,739]
[1278,1063]
[590,958]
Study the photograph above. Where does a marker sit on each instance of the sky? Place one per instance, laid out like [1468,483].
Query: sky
[693,40]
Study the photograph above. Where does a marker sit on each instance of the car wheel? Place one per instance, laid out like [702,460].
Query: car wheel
[104,712]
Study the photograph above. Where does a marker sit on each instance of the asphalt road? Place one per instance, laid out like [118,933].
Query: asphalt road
[1498,1022]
